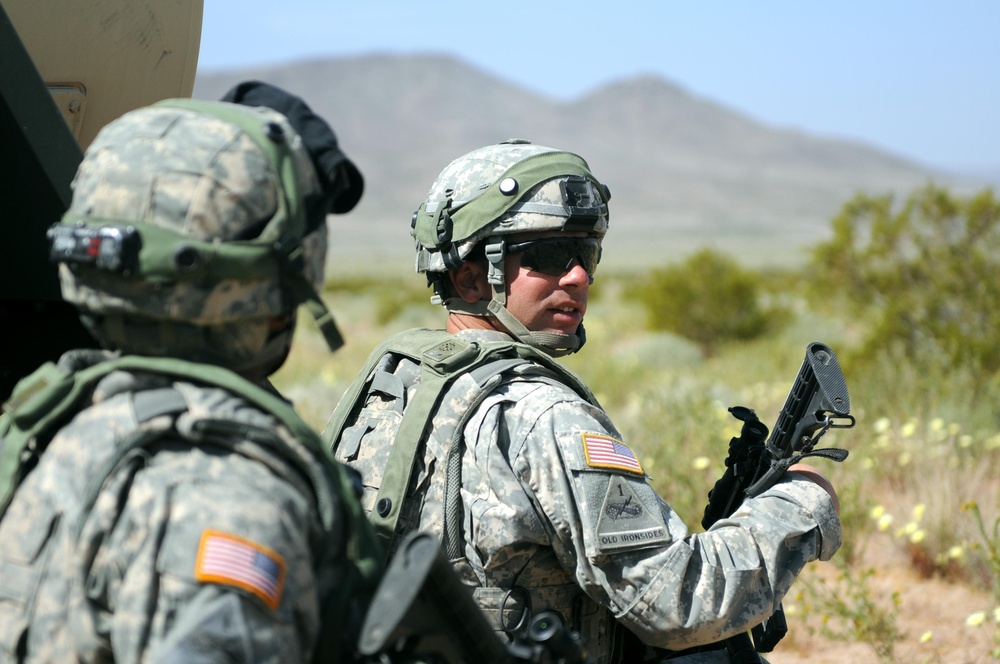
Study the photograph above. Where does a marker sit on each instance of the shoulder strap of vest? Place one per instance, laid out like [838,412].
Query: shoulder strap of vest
[561,373]
[412,344]
[38,405]
[409,343]
[443,357]
[488,377]
[47,398]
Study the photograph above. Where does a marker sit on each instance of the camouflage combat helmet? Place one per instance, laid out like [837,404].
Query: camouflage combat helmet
[188,235]
[489,194]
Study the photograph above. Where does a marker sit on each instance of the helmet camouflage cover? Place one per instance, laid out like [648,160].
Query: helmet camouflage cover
[199,210]
[503,189]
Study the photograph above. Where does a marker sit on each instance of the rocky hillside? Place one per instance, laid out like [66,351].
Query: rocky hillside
[684,172]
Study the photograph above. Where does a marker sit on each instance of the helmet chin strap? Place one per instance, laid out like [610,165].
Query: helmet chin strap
[553,343]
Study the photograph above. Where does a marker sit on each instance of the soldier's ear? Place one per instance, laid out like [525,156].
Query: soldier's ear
[469,282]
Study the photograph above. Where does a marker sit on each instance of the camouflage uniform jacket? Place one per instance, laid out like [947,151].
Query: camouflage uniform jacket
[552,500]
[189,552]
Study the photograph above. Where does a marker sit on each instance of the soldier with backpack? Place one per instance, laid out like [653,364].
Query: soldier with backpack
[476,433]
[156,502]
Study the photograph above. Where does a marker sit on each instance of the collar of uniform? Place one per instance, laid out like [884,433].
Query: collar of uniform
[484,335]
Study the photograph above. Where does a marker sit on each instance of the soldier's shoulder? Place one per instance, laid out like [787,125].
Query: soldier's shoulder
[219,403]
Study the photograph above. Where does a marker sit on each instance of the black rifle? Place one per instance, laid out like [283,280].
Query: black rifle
[817,402]
[423,613]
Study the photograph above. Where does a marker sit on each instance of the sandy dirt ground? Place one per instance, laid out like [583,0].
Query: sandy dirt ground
[928,606]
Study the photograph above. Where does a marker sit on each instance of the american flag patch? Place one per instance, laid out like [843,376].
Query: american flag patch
[607,452]
[234,561]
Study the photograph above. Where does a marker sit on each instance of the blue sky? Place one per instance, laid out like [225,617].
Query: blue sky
[920,78]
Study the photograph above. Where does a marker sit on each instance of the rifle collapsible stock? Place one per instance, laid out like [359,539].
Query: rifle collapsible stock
[817,402]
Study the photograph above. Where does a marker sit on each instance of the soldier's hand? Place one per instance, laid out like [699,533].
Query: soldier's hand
[812,473]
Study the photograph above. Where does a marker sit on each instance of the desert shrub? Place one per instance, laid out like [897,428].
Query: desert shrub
[851,609]
[709,299]
[920,275]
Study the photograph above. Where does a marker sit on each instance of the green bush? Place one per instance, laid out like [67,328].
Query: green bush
[709,299]
[921,276]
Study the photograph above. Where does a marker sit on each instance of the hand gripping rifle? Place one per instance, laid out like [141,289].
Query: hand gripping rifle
[817,402]
[422,613]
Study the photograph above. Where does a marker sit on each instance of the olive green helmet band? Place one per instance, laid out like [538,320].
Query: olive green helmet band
[462,219]
[165,256]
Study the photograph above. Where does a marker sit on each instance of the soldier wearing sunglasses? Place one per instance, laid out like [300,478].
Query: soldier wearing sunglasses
[476,433]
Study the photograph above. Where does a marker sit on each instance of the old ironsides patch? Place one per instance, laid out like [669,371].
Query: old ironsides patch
[626,519]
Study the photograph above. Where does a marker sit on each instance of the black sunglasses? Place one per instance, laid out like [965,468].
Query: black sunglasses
[554,256]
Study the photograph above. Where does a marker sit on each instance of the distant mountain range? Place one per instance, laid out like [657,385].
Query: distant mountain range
[684,172]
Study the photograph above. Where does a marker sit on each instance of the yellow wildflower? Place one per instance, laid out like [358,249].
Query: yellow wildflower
[976,619]
[926,636]
[918,511]
[884,521]
[701,463]
[882,425]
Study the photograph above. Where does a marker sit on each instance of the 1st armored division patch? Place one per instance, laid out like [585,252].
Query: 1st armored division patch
[629,517]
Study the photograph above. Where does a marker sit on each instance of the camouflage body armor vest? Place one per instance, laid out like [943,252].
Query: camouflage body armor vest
[391,428]
[49,398]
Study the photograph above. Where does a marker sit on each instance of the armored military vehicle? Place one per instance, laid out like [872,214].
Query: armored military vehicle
[68,68]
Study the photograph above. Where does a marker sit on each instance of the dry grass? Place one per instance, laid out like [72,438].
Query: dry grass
[924,447]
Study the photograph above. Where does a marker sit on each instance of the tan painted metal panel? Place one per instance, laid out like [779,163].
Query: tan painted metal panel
[101,58]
